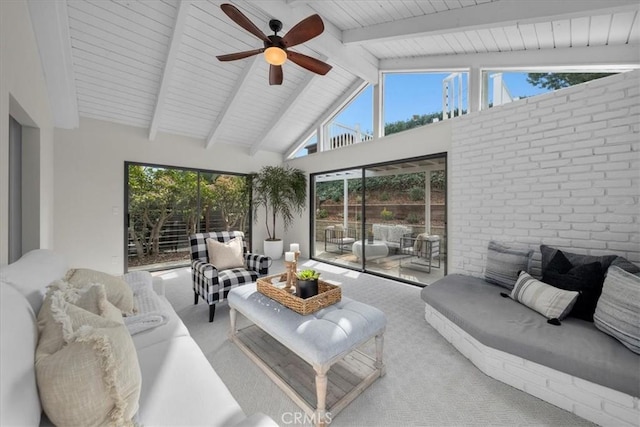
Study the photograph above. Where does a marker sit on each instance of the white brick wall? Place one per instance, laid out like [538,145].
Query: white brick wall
[561,169]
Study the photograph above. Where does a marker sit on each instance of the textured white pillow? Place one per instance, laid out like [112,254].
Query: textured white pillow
[91,298]
[119,293]
[226,255]
[94,377]
[551,302]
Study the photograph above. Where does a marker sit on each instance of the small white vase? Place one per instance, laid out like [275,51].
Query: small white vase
[274,248]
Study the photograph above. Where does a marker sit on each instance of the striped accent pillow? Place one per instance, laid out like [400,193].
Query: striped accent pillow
[504,264]
[552,303]
[618,310]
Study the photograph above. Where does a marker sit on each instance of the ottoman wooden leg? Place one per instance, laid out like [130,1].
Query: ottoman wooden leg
[379,348]
[321,395]
[232,319]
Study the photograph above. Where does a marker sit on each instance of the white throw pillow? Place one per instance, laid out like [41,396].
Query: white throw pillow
[119,293]
[551,302]
[94,377]
[226,255]
[91,298]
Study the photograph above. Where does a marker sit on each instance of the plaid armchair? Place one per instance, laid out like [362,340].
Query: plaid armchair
[213,285]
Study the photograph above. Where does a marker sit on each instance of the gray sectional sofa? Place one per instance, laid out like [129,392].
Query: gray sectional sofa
[574,366]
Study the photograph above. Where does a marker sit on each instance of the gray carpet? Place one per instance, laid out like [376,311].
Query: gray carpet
[428,383]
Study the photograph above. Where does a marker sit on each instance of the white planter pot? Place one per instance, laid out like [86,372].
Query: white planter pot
[273,248]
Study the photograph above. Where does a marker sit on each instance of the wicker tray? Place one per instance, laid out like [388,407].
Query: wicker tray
[327,294]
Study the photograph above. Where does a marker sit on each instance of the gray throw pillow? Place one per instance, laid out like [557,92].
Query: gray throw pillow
[505,263]
[618,310]
[626,265]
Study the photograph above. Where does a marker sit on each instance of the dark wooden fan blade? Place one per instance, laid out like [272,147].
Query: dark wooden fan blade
[311,64]
[239,55]
[303,31]
[239,18]
[275,75]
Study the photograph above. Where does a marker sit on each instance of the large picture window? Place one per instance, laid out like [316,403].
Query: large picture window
[166,204]
[417,99]
[387,219]
[502,87]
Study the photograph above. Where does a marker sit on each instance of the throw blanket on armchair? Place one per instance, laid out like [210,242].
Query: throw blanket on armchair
[420,244]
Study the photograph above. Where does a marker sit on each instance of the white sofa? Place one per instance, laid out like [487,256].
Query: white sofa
[179,386]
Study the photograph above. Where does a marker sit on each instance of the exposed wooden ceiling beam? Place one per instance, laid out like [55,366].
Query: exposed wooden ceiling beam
[500,13]
[354,59]
[232,100]
[574,58]
[357,86]
[51,26]
[174,46]
[290,104]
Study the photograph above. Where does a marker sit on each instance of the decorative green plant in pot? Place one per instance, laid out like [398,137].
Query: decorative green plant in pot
[307,283]
[281,191]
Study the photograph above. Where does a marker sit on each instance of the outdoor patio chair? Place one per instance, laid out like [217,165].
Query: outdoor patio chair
[341,238]
[423,249]
[213,285]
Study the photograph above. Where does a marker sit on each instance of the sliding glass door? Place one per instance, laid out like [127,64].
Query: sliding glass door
[337,223]
[167,204]
[387,219]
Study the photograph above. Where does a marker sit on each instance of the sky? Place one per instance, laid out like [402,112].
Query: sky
[412,93]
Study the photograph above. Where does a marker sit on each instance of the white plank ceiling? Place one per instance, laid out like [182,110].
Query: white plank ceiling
[151,63]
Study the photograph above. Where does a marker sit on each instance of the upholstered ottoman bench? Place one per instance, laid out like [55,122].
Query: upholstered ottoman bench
[320,339]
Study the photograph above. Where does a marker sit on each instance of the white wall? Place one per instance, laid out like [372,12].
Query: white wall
[23,94]
[432,139]
[562,169]
[89,184]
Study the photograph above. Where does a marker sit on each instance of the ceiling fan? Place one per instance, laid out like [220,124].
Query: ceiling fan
[276,48]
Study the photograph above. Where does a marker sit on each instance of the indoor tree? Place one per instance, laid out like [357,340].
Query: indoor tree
[281,191]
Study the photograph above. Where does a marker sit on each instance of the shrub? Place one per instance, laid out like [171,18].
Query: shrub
[413,218]
[384,196]
[386,215]
[322,213]
[437,180]
[416,193]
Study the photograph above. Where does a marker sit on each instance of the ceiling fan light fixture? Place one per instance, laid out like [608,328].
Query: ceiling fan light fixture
[275,56]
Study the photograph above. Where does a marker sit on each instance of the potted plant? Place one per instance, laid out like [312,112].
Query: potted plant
[307,283]
[282,191]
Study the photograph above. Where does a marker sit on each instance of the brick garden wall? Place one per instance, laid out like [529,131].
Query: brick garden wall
[561,169]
